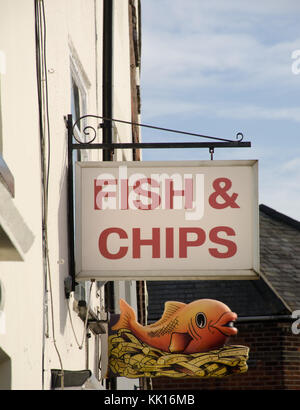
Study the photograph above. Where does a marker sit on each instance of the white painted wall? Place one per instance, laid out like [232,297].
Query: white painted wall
[23,281]
[74,31]
[121,78]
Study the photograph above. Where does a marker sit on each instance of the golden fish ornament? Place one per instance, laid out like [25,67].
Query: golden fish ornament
[199,326]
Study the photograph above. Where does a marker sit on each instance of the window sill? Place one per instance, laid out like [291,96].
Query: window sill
[15,236]
[6,177]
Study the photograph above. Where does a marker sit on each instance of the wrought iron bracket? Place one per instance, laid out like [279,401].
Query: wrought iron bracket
[89,132]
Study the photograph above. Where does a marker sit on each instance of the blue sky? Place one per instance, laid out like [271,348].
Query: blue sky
[218,67]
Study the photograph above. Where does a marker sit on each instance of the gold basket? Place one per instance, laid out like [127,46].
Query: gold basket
[131,358]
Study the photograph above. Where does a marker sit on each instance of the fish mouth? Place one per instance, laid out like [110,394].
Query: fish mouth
[225,324]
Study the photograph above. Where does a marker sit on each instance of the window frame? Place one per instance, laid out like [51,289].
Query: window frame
[77,78]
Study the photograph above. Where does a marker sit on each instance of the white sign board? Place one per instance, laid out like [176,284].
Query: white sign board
[167,220]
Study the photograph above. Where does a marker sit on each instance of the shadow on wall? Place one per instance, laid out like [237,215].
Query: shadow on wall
[5,371]
[63,260]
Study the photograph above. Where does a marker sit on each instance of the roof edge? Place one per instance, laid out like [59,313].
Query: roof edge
[278,216]
[275,291]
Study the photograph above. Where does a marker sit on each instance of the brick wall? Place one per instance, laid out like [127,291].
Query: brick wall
[291,359]
[274,362]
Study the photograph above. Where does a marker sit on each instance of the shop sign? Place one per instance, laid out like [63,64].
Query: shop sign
[167,220]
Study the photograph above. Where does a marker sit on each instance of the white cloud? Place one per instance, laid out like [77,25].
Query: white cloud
[258,112]
[191,14]
[229,60]
[205,43]
[176,60]
[280,189]
[174,106]
[293,165]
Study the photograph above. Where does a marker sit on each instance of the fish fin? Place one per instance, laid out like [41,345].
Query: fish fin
[127,315]
[179,342]
[170,309]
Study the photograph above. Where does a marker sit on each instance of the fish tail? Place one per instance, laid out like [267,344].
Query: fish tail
[127,315]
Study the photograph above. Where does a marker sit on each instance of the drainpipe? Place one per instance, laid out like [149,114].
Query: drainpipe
[107,106]
[107,75]
[270,318]
[107,98]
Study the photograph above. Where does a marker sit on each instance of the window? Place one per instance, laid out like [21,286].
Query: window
[78,104]
[78,109]
[79,101]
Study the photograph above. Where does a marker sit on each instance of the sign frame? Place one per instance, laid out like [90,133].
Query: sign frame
[191,274]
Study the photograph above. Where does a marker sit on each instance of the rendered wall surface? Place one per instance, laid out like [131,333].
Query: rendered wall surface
[74,46]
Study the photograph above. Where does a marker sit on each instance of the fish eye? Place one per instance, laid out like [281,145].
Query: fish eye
[200,320]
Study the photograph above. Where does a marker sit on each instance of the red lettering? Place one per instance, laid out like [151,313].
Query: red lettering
[187,193]
[184,243]
[231,246]
[137,242]
[221,186]
[170,192]
[169,242]
[102,243]
[99,193]
[155,198]
[124,194]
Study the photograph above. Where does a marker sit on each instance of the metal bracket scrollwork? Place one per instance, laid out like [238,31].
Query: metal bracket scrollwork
[88,129]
